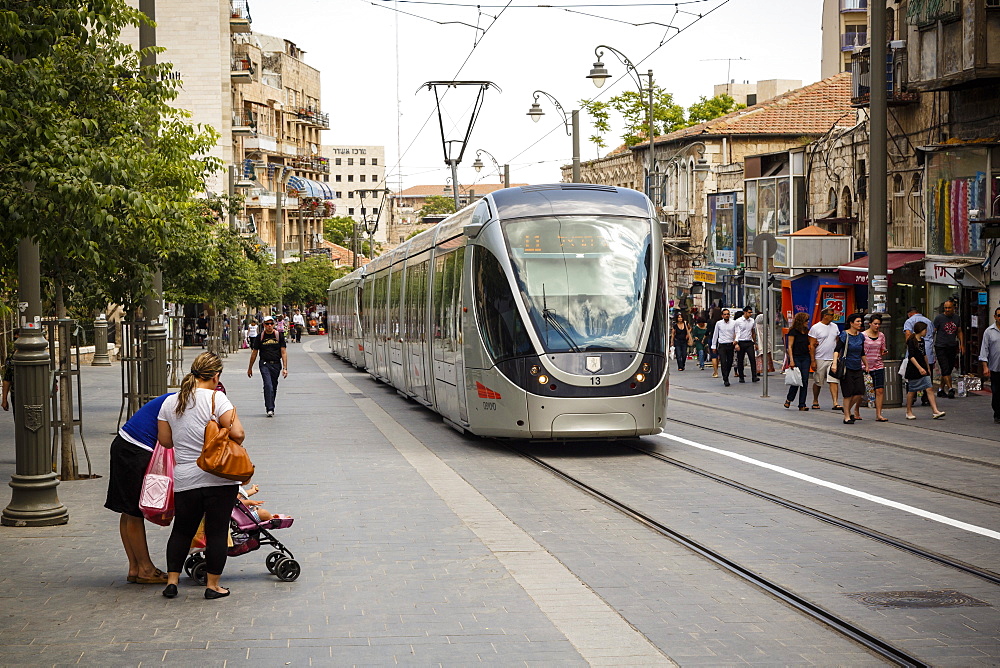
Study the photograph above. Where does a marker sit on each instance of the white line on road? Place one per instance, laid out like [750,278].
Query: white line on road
[989,533]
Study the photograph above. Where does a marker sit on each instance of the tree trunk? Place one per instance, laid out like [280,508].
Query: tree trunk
[69,468]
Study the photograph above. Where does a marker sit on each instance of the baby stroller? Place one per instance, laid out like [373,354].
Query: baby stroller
[249,535]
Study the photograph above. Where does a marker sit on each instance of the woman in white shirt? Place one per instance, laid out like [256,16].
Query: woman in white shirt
[197,493]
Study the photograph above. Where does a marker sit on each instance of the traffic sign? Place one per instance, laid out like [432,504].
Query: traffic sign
[765,245]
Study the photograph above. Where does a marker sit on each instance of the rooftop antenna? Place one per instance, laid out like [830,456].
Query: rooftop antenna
[452,153]
[729,66]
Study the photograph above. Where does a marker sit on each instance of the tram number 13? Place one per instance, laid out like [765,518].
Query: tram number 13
[595,380]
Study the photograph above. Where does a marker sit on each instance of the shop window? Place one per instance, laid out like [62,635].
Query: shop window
[957,185]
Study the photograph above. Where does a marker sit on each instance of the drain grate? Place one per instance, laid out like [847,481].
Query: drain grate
[945,598]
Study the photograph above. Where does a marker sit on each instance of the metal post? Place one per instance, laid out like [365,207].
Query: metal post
[576,145]
[767,325]
[454,181]
[878,264]
[101,342]
[279,236]
[354,244]
[156,341]
[506,176]
[34,500]
[231,191]
[652,159]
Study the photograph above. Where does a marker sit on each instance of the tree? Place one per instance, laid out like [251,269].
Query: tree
[340,230]
[705,109]
[436,205]
[307,281]
[634,109]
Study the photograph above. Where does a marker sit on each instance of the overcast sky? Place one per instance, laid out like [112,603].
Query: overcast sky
[373,58]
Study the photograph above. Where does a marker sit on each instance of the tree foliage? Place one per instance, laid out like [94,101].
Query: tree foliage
[436,205]
[307,281]
[95,165]
[667,116]
[340,229]
[705,109]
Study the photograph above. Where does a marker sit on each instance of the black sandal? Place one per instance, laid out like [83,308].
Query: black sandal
[837,408]
[788,404]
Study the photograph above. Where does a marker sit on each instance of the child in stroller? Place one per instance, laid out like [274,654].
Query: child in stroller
[250,526]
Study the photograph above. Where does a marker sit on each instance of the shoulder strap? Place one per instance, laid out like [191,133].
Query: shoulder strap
[214,392]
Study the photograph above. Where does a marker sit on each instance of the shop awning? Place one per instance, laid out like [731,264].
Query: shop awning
[309,188]
[856,272]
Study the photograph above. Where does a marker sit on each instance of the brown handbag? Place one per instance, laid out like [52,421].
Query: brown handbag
[221,455]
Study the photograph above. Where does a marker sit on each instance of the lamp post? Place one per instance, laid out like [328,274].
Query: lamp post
[478,166]
[279,229]
[572,123]
[599,74]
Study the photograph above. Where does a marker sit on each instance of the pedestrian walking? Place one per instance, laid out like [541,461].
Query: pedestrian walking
[130,454]
[918,372]
[270,346]
[850,353]
[201,328]
[279,323]
[949,344]
[680,339]
[989,355]
[198,494]
[797,355]
[822,342]
[875,351]
[723,342]
[298,324]
[714,317]
[913,316]
[746,344]
[698,334]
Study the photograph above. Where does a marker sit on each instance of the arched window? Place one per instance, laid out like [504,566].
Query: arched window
[831,201]
[845,203]
[899,203]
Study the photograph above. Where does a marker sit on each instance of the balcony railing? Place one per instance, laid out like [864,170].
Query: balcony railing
[314,117]
[895,78]
[925,12]
[852,40]
[321,165]
[853,5]
[239,16]
[675,228]
[241,69]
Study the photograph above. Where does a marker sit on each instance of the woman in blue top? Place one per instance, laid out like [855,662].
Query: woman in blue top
[851,353]
[130,454]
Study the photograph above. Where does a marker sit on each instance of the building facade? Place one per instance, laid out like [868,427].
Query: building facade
[357,178]
[405,205]
[845,28]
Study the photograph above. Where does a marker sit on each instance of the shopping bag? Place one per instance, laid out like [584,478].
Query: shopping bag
[902,367]
[156,500]
[869,389]
[793,376]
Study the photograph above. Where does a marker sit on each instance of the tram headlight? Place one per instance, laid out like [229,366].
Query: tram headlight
[543,379]
[645,367]
[535,369]
[640,377]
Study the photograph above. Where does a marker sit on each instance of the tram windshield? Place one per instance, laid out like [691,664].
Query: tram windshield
[583,279]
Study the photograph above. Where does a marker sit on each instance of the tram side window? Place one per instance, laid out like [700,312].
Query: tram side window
[658,330]
[442,302]
[419,322]
[394,285]
[500,322]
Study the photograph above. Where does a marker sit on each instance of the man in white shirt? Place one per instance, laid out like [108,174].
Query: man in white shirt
[723,340]
[746,344]
[298,323]
[822,342]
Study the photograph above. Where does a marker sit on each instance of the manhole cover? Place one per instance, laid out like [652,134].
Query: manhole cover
[946,598]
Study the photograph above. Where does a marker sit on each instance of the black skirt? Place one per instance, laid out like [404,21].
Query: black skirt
[128,468]
[853,383]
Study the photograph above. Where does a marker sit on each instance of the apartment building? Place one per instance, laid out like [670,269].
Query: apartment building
[845,28]
[357,179]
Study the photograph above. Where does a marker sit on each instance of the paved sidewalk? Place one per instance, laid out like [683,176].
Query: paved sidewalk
[402,561]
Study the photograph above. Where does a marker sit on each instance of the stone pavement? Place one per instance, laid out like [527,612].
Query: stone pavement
[402,561]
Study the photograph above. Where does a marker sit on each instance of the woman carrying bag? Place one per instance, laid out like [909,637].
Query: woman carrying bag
[797,355]
[681,339]
[197,493]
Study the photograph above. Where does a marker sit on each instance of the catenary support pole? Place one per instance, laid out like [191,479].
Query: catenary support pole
[279,234]
[576,145]
[652,128]
[506,176]
[877,223]
[34,501]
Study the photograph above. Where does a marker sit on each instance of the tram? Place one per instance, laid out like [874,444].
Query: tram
[537,312]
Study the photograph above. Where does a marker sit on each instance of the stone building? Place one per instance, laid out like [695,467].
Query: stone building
[357,178]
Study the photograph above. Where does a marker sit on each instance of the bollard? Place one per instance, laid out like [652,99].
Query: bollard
[34,501]
[101,342]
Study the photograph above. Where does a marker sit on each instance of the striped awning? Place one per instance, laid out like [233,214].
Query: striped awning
[309,188]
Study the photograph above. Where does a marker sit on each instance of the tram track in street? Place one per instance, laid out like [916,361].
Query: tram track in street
[853,467]
[838,522]
[816,612]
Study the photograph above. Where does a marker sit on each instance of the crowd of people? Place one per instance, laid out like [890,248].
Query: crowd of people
[847,361]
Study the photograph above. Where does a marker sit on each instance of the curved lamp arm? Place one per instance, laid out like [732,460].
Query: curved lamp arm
[536,111]
[478,164]
[598,74]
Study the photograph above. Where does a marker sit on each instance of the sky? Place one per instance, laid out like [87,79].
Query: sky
[375,55]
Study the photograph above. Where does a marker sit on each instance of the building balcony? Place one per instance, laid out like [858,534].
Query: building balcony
[896,89]
[267,199]
[239,16]
[261,143]
[853,6]
[675,229]
[244,124]
[849,41]
[320,165]
[314,117]
[241,70]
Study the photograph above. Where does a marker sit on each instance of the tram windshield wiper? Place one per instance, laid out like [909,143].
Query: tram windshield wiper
[550,319]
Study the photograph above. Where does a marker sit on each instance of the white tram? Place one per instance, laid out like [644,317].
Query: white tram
[538,312]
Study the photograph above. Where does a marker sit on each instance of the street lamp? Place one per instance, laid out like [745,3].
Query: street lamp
[599,74]
[572,126]
[504,174]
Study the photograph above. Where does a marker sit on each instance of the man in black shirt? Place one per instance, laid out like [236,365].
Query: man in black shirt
[273,360]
